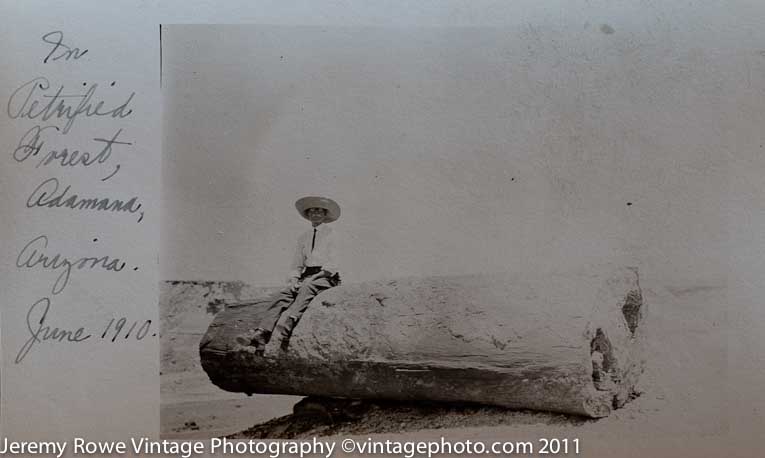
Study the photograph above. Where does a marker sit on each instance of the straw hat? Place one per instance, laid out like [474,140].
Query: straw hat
[333,210]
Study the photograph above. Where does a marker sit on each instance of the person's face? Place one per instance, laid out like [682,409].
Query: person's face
[316,215]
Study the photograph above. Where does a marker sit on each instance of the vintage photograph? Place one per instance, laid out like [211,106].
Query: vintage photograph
[443,232]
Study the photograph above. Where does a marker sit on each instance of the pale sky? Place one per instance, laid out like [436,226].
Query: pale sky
[449,150]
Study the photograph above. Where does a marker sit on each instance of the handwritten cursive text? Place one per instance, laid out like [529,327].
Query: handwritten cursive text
[28,102]
[47,195]
[31,144]
[33,256]
[39,331]
[60,50]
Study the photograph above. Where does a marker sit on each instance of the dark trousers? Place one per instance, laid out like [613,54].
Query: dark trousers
[289,304]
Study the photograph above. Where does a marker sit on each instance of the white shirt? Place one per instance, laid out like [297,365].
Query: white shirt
[324,252]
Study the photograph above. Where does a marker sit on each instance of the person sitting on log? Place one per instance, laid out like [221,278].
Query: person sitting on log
[314,269]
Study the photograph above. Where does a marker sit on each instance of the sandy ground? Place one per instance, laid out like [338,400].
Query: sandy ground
[191,406]
[681,411]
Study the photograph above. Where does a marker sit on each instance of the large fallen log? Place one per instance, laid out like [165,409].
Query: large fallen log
[559,342]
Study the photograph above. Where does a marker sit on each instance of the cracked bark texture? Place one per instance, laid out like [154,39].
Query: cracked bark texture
[565,342]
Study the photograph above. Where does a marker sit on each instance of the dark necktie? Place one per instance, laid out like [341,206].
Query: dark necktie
[313,240]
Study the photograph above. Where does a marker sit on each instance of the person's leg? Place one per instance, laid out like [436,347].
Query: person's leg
[259,336]
[280,302]
[305,295]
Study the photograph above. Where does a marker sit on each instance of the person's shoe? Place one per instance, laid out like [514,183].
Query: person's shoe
[253,338]
[279,331]
[260,337]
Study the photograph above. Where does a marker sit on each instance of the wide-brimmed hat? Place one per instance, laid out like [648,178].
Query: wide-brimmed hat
[333,210]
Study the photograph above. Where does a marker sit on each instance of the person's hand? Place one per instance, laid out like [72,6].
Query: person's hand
[321,274]
[292,283]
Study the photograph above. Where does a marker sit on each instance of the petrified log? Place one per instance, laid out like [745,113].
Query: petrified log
[558,342]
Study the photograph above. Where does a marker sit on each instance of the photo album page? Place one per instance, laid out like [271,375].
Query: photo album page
[405,229]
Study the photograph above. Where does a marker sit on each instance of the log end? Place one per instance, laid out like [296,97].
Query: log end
[617,347]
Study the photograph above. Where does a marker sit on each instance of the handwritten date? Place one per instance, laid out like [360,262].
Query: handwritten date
[40,331]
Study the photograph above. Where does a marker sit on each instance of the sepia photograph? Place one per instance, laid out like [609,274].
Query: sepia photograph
[472,233]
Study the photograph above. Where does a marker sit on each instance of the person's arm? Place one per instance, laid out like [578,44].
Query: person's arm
[296,266]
